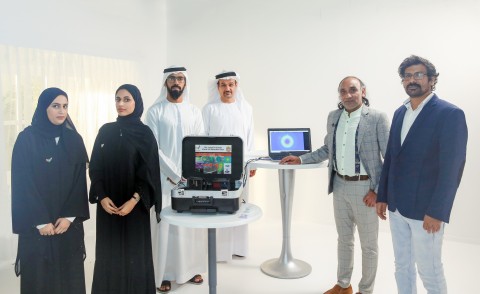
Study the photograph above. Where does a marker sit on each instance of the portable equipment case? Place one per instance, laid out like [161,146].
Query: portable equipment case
[213,168]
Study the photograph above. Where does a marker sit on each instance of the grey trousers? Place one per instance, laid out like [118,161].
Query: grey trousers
[350,212]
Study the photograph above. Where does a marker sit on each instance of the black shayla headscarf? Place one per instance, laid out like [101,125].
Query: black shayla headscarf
[135,131]
[40,121]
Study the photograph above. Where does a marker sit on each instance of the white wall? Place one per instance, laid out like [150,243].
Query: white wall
[292,54]
[133,30]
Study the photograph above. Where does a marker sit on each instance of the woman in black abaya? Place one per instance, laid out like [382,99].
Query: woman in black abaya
[125,184]
[49,200]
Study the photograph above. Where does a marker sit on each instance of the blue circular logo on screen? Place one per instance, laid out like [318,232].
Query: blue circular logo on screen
[287,141]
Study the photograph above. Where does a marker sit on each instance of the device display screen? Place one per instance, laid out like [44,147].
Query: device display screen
[284,141]
[213,159]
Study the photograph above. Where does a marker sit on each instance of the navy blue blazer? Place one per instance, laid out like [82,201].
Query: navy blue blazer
[421,176]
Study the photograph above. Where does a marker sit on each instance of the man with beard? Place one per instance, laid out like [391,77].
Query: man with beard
[179,253]
[228,113]
[355,143]
[423,167]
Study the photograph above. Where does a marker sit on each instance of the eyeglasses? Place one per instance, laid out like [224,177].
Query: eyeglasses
[174,78]
[416,76]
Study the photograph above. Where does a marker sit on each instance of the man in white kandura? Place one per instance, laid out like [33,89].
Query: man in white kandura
[179,254]
[227,113]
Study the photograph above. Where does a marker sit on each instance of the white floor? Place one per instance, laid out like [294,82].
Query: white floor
[313,243]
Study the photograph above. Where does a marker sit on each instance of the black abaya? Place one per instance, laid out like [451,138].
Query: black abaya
[48,183]
[124,161]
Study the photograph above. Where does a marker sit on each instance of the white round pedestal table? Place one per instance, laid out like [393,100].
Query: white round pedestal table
[246,213]
[286,267]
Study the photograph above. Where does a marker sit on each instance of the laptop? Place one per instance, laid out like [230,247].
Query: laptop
[288,141]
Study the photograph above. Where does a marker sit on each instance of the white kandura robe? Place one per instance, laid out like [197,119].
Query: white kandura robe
[226,119]
[179,253]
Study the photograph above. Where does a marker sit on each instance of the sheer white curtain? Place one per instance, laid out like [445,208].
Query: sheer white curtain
[90,83]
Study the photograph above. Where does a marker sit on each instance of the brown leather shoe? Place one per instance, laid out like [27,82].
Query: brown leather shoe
[339,290]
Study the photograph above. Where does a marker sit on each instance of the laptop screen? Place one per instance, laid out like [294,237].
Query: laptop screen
[288,141]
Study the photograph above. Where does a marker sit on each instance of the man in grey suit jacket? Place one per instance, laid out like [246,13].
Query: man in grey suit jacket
[355,143]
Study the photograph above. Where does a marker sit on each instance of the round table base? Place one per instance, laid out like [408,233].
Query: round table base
[293,269]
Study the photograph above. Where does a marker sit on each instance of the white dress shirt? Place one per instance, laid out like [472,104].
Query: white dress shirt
[345,143]
[411,115]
